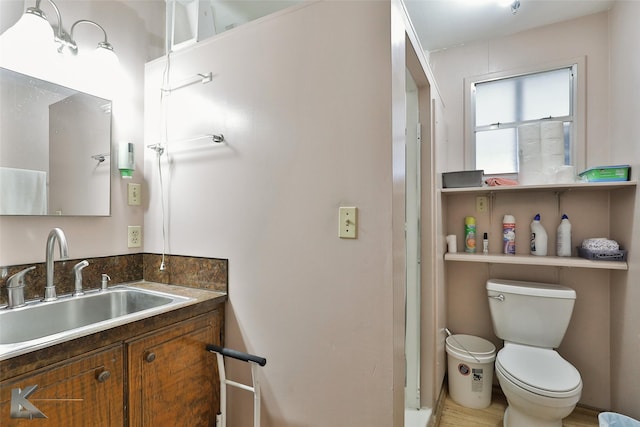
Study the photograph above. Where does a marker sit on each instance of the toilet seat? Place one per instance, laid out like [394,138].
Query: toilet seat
[538,370]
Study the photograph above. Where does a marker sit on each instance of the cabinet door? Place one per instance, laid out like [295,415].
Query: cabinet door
[173,380]
[83,391]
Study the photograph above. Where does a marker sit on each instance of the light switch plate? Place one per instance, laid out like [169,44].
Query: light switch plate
[348,223]
[133,194]
[481,204]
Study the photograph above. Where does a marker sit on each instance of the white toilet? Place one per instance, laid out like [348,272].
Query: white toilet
[540,386]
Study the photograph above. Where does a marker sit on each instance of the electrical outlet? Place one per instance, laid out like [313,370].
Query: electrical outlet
[133,194]
[134,236]
[348,223]
[481,204]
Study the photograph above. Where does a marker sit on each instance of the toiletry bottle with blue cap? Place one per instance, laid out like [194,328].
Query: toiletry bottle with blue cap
[538,237]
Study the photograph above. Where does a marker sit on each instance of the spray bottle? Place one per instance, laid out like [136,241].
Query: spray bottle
[470,234]
[509,234]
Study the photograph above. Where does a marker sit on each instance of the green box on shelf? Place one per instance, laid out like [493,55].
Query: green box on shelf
[607,173]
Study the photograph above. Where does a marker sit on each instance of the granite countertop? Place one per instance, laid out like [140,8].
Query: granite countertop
[204,301]
[200,295]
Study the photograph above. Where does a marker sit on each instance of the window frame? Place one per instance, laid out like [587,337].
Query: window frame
[578,91]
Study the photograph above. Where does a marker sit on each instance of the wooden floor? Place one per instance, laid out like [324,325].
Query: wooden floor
[453,415]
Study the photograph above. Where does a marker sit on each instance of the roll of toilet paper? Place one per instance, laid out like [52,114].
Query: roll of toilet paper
[540,152]
[552,146]
[529,148]
[452,246]
[551,162]
[529,154]
[566,174]
[529,132]
[552,149]
[551,130]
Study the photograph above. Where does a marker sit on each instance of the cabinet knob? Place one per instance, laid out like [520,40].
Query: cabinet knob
[150,357]
[103,376]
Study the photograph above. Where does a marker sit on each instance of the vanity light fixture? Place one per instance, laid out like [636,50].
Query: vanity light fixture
[34,26]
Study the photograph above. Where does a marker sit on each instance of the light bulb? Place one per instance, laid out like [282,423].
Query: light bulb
[28,46]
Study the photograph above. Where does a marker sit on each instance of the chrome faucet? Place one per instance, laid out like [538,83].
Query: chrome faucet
[55,234]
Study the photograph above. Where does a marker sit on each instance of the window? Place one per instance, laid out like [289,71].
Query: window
[500,105]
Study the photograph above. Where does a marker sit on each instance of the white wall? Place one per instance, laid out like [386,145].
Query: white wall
[625,149]
[304,99]
[22,240]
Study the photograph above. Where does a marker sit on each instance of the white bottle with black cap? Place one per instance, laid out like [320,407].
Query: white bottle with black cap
[563,238]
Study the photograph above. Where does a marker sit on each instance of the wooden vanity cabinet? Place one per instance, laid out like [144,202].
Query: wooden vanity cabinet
[84,391]
[173,380]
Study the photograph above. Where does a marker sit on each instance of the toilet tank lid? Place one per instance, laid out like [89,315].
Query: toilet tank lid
[546,290]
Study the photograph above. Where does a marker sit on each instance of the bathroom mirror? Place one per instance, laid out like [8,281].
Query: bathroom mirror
[55,149]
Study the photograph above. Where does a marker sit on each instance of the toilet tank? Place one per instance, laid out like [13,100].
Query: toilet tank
[530,313]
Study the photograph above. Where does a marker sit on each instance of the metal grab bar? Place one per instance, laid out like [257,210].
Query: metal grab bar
[245,357]
[254,361]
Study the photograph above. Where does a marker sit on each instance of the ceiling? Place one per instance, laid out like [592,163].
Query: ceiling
[441,24]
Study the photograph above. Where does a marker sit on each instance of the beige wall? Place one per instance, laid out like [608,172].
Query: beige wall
[23,240]
[625,148]
[307,115]
[602,340]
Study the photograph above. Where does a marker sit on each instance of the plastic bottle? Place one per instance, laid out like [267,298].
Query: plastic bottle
[509,234]
[485,243]
[538,237]
[469,234]
[563,238]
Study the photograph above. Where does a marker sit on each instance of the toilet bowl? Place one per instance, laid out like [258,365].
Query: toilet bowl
[541,387]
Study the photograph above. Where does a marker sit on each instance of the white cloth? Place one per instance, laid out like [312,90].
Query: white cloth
[23,192]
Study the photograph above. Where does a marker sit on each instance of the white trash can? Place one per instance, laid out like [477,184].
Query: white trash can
[470,366]
[611,419]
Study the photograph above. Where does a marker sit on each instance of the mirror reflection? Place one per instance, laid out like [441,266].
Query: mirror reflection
[55,149]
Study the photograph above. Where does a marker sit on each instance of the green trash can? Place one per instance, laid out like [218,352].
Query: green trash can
[611,419]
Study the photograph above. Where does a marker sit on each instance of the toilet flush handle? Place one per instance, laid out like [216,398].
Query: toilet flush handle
[499,297]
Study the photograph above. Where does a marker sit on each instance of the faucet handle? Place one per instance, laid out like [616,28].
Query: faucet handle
[15,288]
[17,280]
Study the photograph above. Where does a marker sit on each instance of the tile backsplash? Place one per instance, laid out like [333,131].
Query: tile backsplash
[195,272]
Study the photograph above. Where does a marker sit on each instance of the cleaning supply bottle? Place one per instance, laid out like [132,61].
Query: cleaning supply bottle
[538,237]
[509,234]
[563,238]
[469,234]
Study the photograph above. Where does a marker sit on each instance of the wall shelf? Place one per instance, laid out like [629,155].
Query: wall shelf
[553,261]
[582,186]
